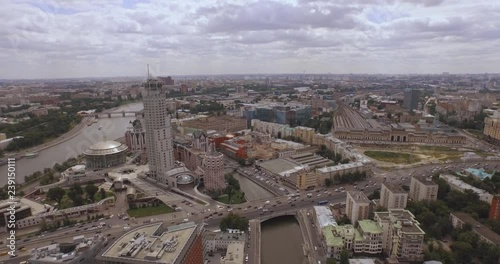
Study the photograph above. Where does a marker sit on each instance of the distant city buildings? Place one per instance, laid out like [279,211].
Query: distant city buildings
[349,125]
[411,99]
[423,189]
[281,113]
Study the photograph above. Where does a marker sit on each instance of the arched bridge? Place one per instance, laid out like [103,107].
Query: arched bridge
[268,215]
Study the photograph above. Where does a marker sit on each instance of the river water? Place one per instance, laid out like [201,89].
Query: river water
[282,241]
[112,128]
[252,191]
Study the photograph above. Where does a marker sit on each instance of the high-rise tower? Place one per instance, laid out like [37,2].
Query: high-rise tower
[158,130]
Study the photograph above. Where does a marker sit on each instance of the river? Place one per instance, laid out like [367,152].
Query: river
[252,191]
[281,241]
[113,128]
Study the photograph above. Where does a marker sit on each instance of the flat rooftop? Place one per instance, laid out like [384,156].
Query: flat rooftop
[358,196]
[425,180]
[395,188]
[478,227]
[151,243]
[278,166]
[370,226]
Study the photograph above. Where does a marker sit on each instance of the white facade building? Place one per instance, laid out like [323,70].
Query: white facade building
[158,131]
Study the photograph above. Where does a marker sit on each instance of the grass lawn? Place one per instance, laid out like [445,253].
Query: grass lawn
[437,148]
[237,198]
[393,157]
[149,211]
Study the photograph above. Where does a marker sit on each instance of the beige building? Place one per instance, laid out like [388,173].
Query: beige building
[402,236]
[423,189]
[357,206]
[392,196]
[492,129]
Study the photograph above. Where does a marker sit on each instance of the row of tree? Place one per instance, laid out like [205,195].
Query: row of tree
[37,129]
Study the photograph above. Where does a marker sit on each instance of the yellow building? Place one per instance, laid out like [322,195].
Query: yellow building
[492,129]
[307,179]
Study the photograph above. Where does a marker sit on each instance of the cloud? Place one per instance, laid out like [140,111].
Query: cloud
[105,38]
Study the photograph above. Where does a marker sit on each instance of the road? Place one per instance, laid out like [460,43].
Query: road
[212,214]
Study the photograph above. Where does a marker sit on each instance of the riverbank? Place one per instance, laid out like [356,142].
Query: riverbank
[63,138]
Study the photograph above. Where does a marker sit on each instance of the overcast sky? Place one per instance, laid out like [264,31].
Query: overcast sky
[100,38]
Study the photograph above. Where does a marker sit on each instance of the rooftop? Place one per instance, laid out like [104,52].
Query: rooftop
[105,148]
[358,197]
[480,173]
[152,242]
[478,227]
[324,216]
[395,188]
[403,219]
[278,166]
[424,180]
[340,167]
[235,253]
[369,226]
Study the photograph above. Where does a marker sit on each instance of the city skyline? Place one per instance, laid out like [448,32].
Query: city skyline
[60,39]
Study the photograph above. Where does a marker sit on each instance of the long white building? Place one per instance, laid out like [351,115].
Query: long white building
[158,130]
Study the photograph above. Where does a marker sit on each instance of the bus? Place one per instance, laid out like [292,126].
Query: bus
[322,202]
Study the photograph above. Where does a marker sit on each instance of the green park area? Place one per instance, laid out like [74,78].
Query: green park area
[149,211]
[236,198]
[392,157]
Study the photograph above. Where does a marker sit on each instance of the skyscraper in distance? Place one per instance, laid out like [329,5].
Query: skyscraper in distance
[159,145]
[411,98]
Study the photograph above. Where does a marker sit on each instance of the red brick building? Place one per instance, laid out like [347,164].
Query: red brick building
[195,253]
[495,208]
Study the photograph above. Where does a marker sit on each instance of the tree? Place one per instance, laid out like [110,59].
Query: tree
[229,191]
[77,188]
[328,182]
[331,261]
[344,257]
[56,194]
[76,198]
[233,221]
[102,193]
[91,190]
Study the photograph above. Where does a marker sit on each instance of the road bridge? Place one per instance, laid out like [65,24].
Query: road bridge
[114,114]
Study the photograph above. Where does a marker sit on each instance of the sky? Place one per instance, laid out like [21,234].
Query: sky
[106,38]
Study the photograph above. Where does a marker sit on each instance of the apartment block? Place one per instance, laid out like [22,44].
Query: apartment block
[392,196]
[423,189]
[357,206]
[402,236]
